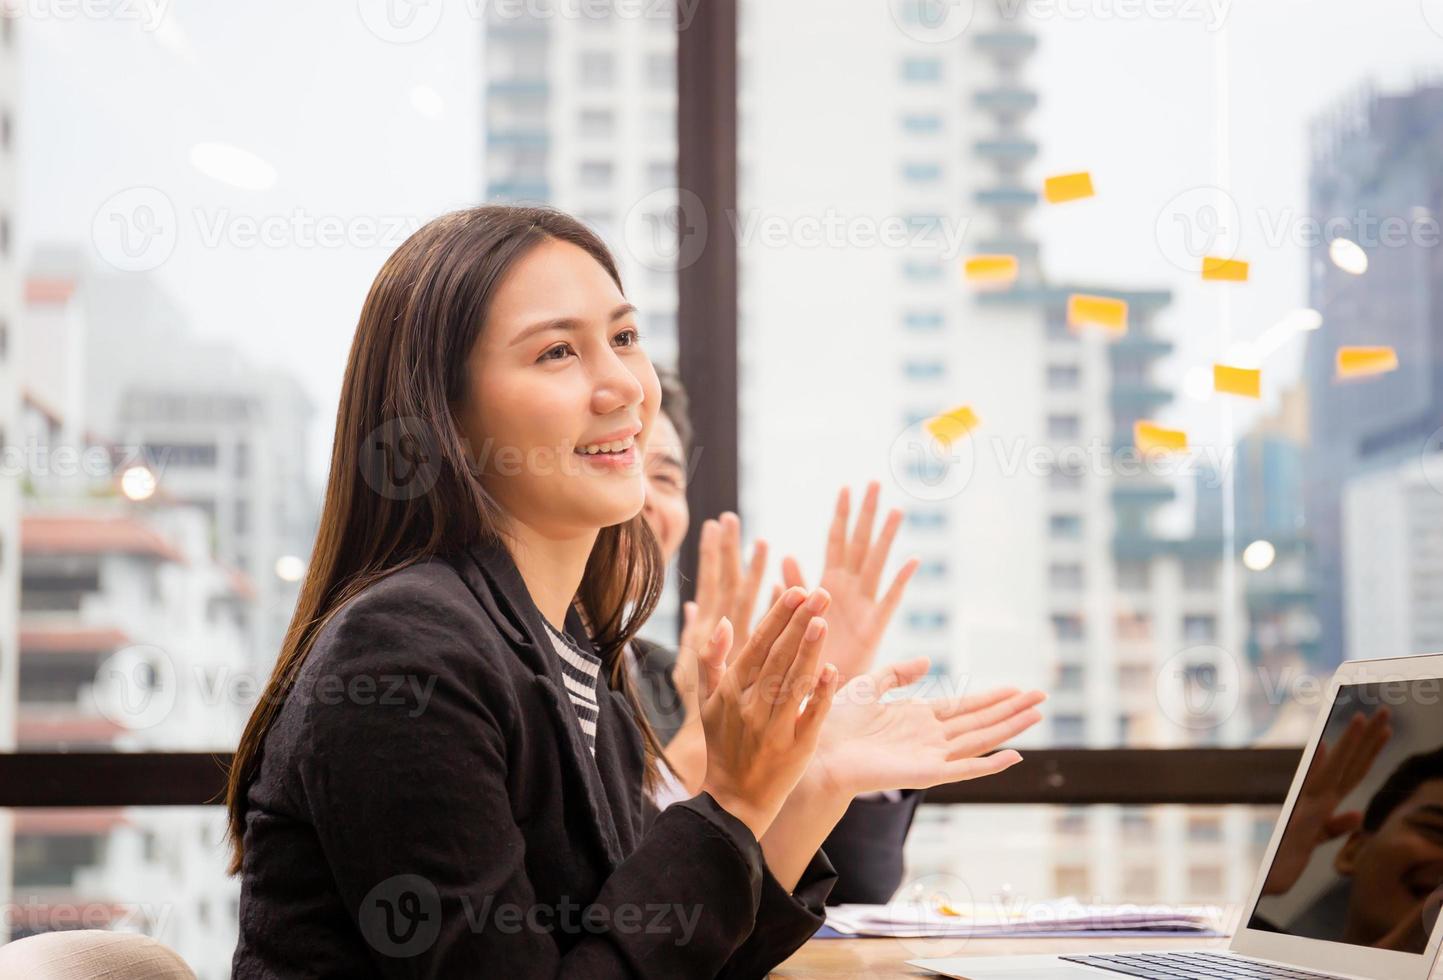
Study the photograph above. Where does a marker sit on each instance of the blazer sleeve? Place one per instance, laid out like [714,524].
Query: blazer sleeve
[783,921]
[409,801]
[866,848]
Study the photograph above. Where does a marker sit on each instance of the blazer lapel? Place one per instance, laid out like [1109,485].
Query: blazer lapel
[493,578]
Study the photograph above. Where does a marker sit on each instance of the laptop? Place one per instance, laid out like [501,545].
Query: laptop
[1352,881]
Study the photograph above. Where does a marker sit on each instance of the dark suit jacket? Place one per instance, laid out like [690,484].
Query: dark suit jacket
[426,806]
[865,846]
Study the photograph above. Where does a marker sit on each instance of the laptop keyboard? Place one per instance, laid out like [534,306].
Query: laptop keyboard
[1193,966]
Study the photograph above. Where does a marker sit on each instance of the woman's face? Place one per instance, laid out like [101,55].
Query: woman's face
[562,397]
[666,509]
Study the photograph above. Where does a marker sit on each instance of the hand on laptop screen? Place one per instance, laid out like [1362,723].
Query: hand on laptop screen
[1361,859]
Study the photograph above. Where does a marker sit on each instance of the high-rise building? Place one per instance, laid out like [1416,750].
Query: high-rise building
[166,480]
[580,112]
[1374,161]
[112,361]
[130,640]
[1393,556]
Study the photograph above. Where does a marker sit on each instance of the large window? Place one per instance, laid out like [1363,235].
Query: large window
[188,238]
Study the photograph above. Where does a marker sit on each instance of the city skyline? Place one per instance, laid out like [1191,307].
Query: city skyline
[434,162]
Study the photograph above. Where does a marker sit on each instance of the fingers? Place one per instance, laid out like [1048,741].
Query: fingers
[861,541]
[1342,823]
[809,723]
[991,765]
[1375,737]
[708,568]
[1350,753]
[957,707]
[837,534]
[751,586]
[792,573]
[893,598]
[752,656]
[871,572]
[977,741]
[731,560]
[802,679]
[791,665]
[711,665]
[989,716]
[899,675]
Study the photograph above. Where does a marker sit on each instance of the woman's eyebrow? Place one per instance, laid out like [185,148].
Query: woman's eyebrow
[568,323]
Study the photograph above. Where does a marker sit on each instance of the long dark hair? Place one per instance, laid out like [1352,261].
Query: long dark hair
[407,366]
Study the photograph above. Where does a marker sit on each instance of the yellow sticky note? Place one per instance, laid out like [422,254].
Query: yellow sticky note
[951,426]
[1096,311]
[1067,187]
[1149,437]
[1224,270]
[1247,382]
[991,270]
[1362,362]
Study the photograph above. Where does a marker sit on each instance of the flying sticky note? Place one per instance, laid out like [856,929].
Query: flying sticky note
[991,270]
[951,426]
[1067,187]
[1362,362]
[1247,382]
[1149,437]
[1224,270]
[1096,311]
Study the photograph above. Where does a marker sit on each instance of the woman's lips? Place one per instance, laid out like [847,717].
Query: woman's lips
[611,461]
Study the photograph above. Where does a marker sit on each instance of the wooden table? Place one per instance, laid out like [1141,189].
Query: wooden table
[881,958]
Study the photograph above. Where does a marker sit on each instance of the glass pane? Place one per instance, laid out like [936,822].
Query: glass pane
[902,258]
[178,302]
[158,871]
[1003,859]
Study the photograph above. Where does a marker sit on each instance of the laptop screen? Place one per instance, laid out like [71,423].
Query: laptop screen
[1361,858]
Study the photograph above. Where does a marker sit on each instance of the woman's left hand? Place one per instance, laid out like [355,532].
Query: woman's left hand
[868,744]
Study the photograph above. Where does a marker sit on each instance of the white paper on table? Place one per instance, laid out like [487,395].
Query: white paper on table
[910,919]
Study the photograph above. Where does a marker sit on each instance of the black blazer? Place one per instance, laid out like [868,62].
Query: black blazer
[866,845]
[426,806]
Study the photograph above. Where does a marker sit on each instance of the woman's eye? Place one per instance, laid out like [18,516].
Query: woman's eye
[555,353]
[629,337]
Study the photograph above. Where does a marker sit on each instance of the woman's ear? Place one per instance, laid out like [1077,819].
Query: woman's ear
[1345,862]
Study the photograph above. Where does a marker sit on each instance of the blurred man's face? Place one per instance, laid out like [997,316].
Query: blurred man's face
[665,466]
[1396,868]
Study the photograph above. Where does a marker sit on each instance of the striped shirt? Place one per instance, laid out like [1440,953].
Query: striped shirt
[579,672]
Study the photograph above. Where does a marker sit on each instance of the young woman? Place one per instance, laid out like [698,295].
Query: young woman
[448,774]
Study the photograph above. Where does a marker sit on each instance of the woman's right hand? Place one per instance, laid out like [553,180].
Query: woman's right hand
[759,740]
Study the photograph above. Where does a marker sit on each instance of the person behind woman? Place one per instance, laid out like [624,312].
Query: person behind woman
[447,774]
[866,846]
